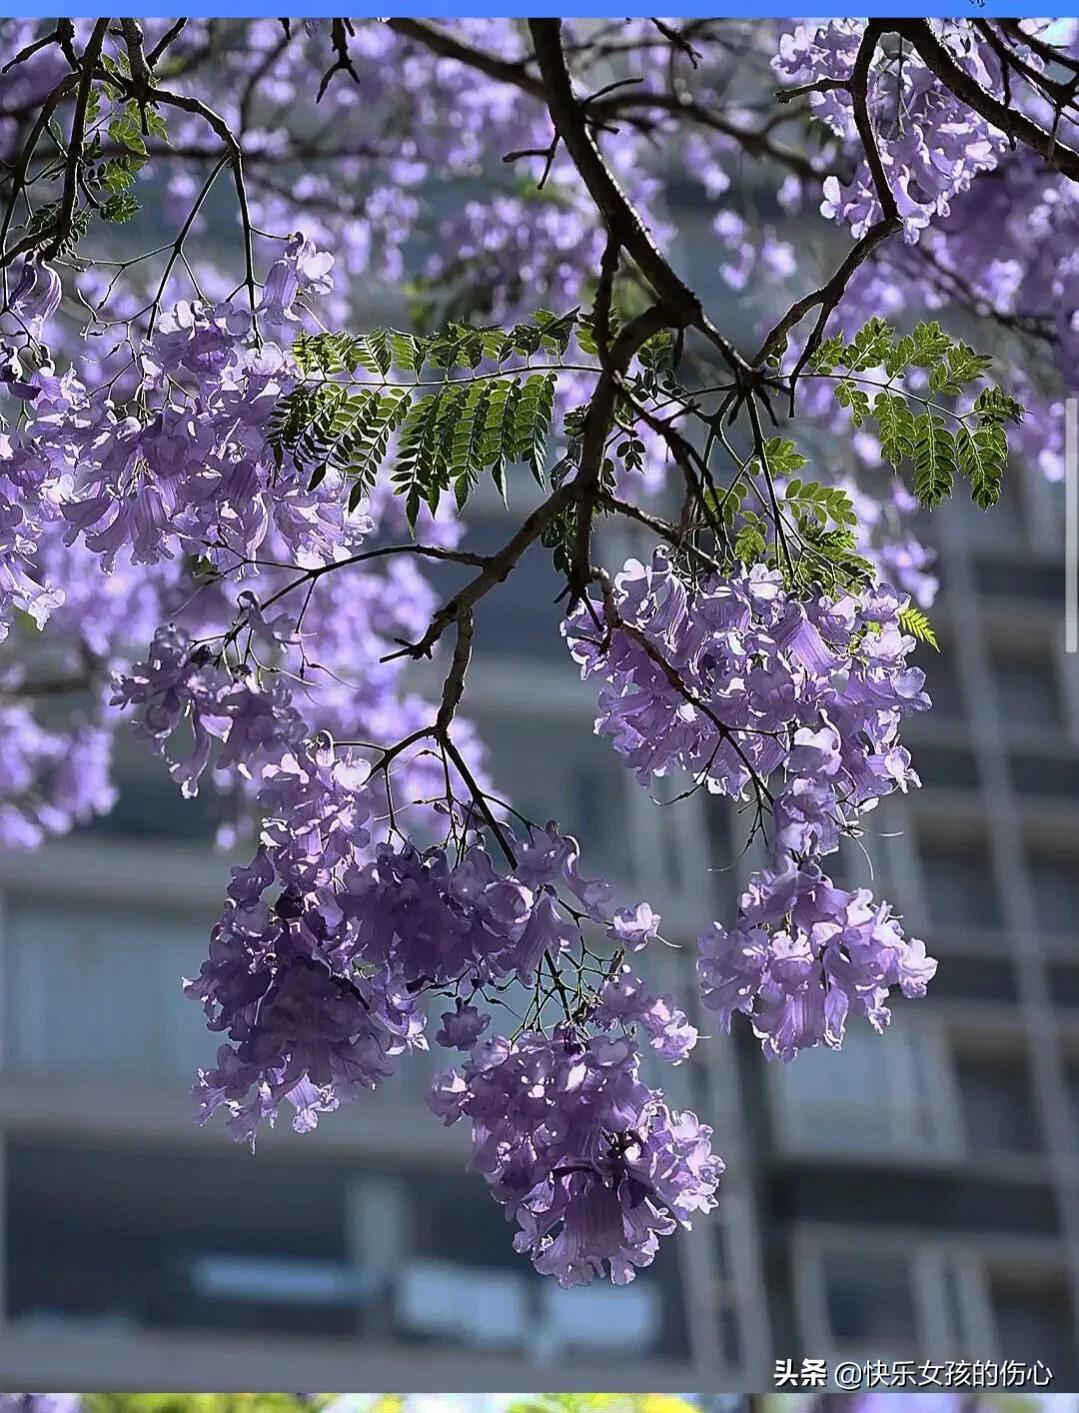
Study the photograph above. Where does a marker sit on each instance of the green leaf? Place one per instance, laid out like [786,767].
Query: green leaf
[930,344]
[828,355]
[913,621]
[416,474]
[993,405]
[870,346]
[982,455]
[154,121]
[934,460]
[119,208]
[848,394]
[896,425]
[378,351]
[783,456]
[118,173]
[749,544]
[965,366]
[124,128]
[46,217]
[532,423]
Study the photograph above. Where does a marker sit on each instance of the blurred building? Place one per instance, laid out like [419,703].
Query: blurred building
[914,1196]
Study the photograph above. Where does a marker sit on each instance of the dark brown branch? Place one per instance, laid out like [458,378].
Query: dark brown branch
[169,37]
[440,42]
[683,308]
[18,181]
[65,217]
[828,295]
[340,32]
[1037,45]
[454,685]
[235,154]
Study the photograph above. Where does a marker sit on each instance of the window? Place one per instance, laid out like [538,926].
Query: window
[172,1239]
[869,1299]
[959,882]
[154,809]
[1020,580]
[947,767]
[95,987]
[1026,687]
[868,1097]
[997,1101]
[974,978]
[1071,1079]
[1034,1321]
[182,1240]
[943,685]
[1049,775]
[1063,984]
[1054,877]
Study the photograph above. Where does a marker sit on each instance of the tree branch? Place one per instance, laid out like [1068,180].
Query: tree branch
[683,308]
[1008,119]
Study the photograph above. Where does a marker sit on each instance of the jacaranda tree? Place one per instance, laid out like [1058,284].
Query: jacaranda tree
[220,489]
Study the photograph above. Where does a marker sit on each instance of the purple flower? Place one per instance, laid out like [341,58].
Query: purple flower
[35,293]
[462,1027]
[590,1162]
[805,955]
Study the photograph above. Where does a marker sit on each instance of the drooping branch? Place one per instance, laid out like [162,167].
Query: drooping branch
[827,296]
[681,306]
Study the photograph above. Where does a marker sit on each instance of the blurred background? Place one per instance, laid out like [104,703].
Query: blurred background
[915,1196]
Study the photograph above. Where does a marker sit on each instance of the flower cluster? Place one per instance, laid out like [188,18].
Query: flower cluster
[371,928]
[198,474]
[739,683]
[931,151]
[589,1161]
[805,955]
[141,498]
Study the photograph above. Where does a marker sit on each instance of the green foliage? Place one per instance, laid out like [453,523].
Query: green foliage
[656,366]
[119,208]
[458,346]
[362,391]
[752,539]
[130,125]
[913,621]
[332,426]
[981,455]
[45,218]
[125,130]
[975,447]
[895,426]
[934,460]
[115,175]
[813,503]
[829,558]
[106,182]
[782,456]
[201,1403]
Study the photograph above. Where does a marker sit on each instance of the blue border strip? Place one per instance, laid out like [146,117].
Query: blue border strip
[589,9]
